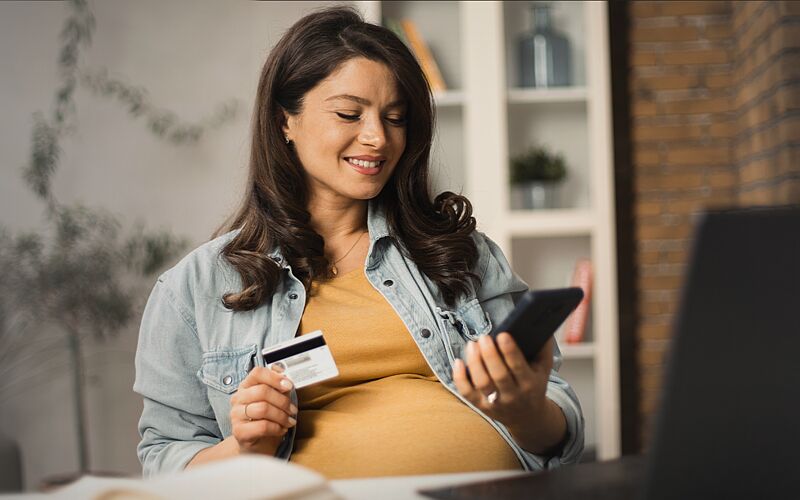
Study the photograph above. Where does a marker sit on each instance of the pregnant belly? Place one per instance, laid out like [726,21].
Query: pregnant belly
[398,425]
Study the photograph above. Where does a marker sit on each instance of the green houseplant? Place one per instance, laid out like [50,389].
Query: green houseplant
[537,174]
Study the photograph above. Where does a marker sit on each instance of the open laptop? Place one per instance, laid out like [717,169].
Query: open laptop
[729,421]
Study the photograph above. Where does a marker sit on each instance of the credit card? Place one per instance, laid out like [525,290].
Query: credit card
[305,359]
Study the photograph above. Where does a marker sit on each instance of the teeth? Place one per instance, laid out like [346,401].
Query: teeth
[364,163]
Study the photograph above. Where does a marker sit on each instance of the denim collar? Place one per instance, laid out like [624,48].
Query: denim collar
[377,226]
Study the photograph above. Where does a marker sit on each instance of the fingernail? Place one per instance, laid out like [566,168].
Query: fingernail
[293,409]
[286,384]
[292,421]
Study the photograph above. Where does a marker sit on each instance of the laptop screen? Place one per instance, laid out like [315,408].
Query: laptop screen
[729,421]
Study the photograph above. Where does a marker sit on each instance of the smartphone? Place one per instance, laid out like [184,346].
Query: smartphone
[537,316]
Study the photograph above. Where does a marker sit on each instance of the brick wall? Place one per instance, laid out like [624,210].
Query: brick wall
[714,95]
[767,80]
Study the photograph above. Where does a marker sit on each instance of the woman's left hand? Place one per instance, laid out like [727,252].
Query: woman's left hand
[503,385]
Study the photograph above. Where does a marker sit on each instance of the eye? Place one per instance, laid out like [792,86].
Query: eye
[396,120]
[348,117]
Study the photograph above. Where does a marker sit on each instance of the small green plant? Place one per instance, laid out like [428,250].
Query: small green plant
[537,164]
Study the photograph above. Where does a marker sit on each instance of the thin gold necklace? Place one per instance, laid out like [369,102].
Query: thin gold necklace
[334,270]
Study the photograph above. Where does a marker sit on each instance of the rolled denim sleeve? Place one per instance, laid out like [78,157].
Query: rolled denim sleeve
[499,284]
[177,419]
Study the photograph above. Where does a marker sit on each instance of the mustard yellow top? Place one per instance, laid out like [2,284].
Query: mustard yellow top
[386,413]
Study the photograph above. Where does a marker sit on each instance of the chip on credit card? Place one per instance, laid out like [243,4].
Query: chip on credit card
[306,359]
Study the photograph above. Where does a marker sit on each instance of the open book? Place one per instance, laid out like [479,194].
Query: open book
[239,478]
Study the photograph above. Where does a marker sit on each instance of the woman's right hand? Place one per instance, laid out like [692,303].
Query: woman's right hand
[261,411]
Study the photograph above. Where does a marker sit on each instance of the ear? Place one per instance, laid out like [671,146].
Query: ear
[289,123]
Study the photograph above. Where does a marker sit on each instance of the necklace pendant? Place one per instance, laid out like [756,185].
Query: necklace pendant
[334,271]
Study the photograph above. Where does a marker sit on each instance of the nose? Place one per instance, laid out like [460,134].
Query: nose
[372,133]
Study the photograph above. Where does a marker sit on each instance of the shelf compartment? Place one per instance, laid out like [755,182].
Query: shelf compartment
[548,95]
[583,350]
[563,222]
[448,98]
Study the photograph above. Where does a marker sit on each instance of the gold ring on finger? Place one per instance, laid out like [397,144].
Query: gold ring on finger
[491,397]
[249,418]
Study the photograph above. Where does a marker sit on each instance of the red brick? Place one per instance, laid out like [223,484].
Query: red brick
[644,133]
[679,257]
[664,34]
[718,31]
[719,80]
[648,208]
[756,171]
[653,355]
[722,179]
[699,156]
[643,108]
[788,192]
[645,9]
[786,8]
[639,58]
[685,207]
[670,181]
[723,129]
[667,82]
[788,160]
[714,105]
[789,129]
[763,195]
[642,157]
[695,8]
[663,232]
[707,56]
[649,257]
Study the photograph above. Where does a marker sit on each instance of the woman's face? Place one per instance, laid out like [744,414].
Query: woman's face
[350,132]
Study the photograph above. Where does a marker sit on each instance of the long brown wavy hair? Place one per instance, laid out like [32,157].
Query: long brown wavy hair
[435,234]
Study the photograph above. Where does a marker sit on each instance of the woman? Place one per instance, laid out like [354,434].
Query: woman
[338,233]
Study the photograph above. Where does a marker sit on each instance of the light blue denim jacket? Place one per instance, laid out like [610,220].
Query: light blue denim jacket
[193,352]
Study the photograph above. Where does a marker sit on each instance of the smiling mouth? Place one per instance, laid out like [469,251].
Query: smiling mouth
[365,163]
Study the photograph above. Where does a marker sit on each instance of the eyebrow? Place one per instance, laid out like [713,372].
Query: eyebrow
[362,101]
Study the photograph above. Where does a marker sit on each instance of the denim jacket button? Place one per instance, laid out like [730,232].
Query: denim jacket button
[293,296]
[227,380]
[425,333]
[388,283]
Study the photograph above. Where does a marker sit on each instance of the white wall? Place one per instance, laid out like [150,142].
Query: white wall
[191,55]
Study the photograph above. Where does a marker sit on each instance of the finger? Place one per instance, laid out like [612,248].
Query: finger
[269,395]
[495,365]
[463,384]
[261,375]
[477,371]
[544,358]
[249,432]
[261,410]
[515,359]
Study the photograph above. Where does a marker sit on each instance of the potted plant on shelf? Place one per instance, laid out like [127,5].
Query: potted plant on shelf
[537,175]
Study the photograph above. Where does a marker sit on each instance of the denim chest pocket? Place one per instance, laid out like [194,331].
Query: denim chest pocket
[224,370]
[467,323]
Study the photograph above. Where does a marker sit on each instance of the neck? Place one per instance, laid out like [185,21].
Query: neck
[337,219]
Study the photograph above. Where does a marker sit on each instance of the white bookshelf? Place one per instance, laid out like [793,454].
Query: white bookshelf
[553,95]
[483,119]
[448,98]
